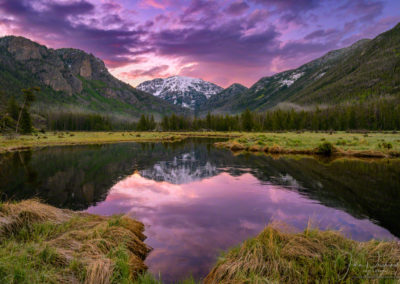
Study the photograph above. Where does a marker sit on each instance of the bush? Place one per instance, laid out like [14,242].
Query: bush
[386,145]
[326,149]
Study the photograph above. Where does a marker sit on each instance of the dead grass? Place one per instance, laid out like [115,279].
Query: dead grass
[43,244]
[277,255]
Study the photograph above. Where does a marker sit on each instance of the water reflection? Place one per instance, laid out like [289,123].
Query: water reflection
[188,224]
[197,200]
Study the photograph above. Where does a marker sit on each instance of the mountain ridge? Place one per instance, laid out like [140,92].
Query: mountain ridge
[367,69]
[181,90]
[71,78]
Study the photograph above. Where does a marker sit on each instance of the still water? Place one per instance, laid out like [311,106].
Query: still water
[196,200]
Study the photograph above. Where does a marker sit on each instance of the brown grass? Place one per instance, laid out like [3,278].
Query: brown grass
[87,248]
[313,256]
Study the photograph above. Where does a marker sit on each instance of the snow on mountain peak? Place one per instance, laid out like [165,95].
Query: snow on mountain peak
[185,91]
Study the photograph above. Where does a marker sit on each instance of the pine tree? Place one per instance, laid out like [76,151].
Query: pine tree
[12,108]
[247,120]
[142,124]
[26,122]
[152,123]
[29,97]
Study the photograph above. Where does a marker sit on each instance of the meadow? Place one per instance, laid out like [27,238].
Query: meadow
[366,144]
[376,145]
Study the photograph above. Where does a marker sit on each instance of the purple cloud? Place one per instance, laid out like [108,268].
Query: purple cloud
[224,41]
[54,24]
[157,71]
[237,8]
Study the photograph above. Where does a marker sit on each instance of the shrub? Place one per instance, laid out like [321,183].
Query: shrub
[385,145]
[326,149]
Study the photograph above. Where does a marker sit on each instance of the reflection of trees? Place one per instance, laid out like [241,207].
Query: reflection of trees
[79,176]
[361,188]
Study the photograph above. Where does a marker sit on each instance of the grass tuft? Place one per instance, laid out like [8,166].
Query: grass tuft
[313,256]
[43,244]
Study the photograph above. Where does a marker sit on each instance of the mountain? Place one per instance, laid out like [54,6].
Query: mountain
[365,70]
[183,91]
[71,79]
[219,100]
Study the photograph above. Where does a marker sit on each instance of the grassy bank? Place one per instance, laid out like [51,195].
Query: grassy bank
[12,143]
[376,145]
[43,244]
[312,256]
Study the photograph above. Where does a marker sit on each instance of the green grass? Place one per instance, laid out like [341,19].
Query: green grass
[363,144]
[312,256]
[43,244]
[10,143]
[380,144]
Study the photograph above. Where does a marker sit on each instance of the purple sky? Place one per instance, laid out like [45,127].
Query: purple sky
[222,41]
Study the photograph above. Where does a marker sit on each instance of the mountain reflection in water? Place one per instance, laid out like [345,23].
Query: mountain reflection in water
[196,200]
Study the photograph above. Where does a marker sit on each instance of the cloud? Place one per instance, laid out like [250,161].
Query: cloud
[61,24]
[158,4]
[367,10]
[320,34]
[157,71]
[237,8]
[224,41]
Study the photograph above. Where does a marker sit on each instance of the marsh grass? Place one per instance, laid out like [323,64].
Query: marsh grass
[374,145]
[43,244]
[312,256]
[20,142]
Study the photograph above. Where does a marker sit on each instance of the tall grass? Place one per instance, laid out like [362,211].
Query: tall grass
[43,244]
[313,256]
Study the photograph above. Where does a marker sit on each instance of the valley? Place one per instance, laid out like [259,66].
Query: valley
[145,142]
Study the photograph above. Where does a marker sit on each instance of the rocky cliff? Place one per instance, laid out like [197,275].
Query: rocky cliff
[71,77]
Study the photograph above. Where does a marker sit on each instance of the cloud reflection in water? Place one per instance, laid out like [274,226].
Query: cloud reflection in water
[189,224]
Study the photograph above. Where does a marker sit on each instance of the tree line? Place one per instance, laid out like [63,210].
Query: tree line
[380,114]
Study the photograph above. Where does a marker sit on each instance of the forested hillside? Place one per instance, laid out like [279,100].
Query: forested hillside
[366,70]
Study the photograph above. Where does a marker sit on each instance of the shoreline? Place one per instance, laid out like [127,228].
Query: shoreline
[283,255]
[44,243]
[340,144]
[359,145]
[27,142]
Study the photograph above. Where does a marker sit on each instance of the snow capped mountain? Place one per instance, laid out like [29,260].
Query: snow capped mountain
[184,91]
[183,168]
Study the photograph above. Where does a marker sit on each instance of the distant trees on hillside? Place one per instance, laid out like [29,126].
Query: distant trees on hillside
[376,115]
[381,114]
[80,121]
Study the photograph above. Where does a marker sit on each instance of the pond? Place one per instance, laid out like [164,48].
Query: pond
[196,200]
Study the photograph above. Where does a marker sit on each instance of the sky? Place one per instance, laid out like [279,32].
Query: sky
[221,41]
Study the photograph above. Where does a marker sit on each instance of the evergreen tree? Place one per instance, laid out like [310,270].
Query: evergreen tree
[12,108]
[247,120]
[26,122]
[152,123]
[142,124]
[29,97]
